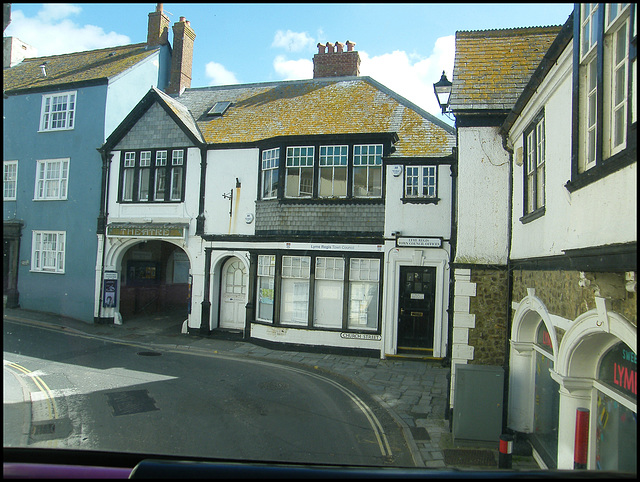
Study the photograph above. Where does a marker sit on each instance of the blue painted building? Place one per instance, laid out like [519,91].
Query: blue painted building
[57,111]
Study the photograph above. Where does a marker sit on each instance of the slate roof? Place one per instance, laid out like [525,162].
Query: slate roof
[492,67]
[92,66]
[346,105]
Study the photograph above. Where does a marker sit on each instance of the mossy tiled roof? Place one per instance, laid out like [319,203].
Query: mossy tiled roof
[349,105]
[492,67]
[78,67]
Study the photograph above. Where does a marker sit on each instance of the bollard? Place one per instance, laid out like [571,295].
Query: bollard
[582,439]
[506,448]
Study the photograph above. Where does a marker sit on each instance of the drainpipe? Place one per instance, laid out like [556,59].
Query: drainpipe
[505,404]
[102,219]
[448,412]
[206,302]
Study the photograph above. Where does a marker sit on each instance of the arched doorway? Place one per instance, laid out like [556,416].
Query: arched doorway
[233,294]
[155,281]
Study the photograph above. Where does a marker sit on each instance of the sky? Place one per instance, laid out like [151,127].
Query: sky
[405,47]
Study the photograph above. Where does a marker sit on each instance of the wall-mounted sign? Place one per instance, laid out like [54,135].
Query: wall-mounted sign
[396,170]
[110,289]
[141,231]
[419,242]
[361,336]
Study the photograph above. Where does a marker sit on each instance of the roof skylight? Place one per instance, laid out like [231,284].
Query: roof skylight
[219,108]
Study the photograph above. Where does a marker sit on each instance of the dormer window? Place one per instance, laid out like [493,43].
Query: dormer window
[219,108]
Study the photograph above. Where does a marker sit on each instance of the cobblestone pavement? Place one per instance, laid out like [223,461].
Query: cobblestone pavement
[413,391]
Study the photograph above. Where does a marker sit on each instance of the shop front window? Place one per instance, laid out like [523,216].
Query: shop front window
[547,398]
[616,417]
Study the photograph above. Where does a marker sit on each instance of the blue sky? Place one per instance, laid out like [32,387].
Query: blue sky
[404,46]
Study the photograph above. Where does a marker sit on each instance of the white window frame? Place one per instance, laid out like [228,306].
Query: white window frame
[329,292]
[266,281]
[64,119]
[48,258]
[588,28]
[299,159]
[160,176]
[294,292]
[616,77]
[177,174]
[420,182]
[364,159]
[48,177]
[333,158]
[534,187]
[10,180]
[145,171]
[270,164]
[364,274]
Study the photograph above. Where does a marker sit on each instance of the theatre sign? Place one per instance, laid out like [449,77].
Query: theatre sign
[146,231]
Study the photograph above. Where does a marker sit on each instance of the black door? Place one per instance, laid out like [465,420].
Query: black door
[416,304]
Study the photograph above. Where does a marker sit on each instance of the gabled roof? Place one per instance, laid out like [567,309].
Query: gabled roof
[92,66]
[346,105]
[492,67]
[178,112]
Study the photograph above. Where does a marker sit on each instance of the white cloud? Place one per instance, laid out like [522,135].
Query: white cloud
[411,76]
[293,69]
[51,32]
[219,75]
[292,41]
[55,11]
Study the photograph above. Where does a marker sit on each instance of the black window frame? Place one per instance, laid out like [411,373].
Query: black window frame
[537,211]
[627,156]
[168,168]
[385,139]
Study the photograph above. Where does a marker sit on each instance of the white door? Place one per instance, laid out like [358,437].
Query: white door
[233,295]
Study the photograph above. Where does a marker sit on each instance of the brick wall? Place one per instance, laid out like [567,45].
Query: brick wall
[347,218]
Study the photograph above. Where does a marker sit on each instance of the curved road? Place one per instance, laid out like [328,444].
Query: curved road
[106,395]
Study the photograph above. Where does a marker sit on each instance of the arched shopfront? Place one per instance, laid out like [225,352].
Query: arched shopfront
[593,366]
[148,278]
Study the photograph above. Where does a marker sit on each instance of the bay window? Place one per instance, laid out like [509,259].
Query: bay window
[299,182]
[270,163]
[333,171]
[367,170]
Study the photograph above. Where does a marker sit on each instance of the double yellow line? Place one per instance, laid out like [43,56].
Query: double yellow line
[42,386]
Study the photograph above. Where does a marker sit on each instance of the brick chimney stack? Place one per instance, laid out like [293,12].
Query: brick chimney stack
[181,57]
[336,63]
[158,30]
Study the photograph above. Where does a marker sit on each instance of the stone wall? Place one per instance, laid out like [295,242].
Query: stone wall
[565,295]
[489,305]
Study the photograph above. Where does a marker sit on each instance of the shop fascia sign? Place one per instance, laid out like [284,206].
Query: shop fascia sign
[145,231]
[418,242]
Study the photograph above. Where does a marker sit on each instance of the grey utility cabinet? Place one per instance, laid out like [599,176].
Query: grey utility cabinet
[477,402]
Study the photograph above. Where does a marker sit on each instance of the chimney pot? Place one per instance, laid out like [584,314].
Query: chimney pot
[182,19]
[158,7]
[321,48]
[339,47]
[350,46]
[329,47]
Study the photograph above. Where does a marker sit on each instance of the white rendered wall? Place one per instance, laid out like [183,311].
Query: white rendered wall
[223,167]
[589,216]
[483,193]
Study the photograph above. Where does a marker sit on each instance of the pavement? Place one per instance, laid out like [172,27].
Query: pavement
[413,391]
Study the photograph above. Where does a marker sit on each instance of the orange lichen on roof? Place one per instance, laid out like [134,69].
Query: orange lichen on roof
[348,106]
[74,67]
[492,67]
